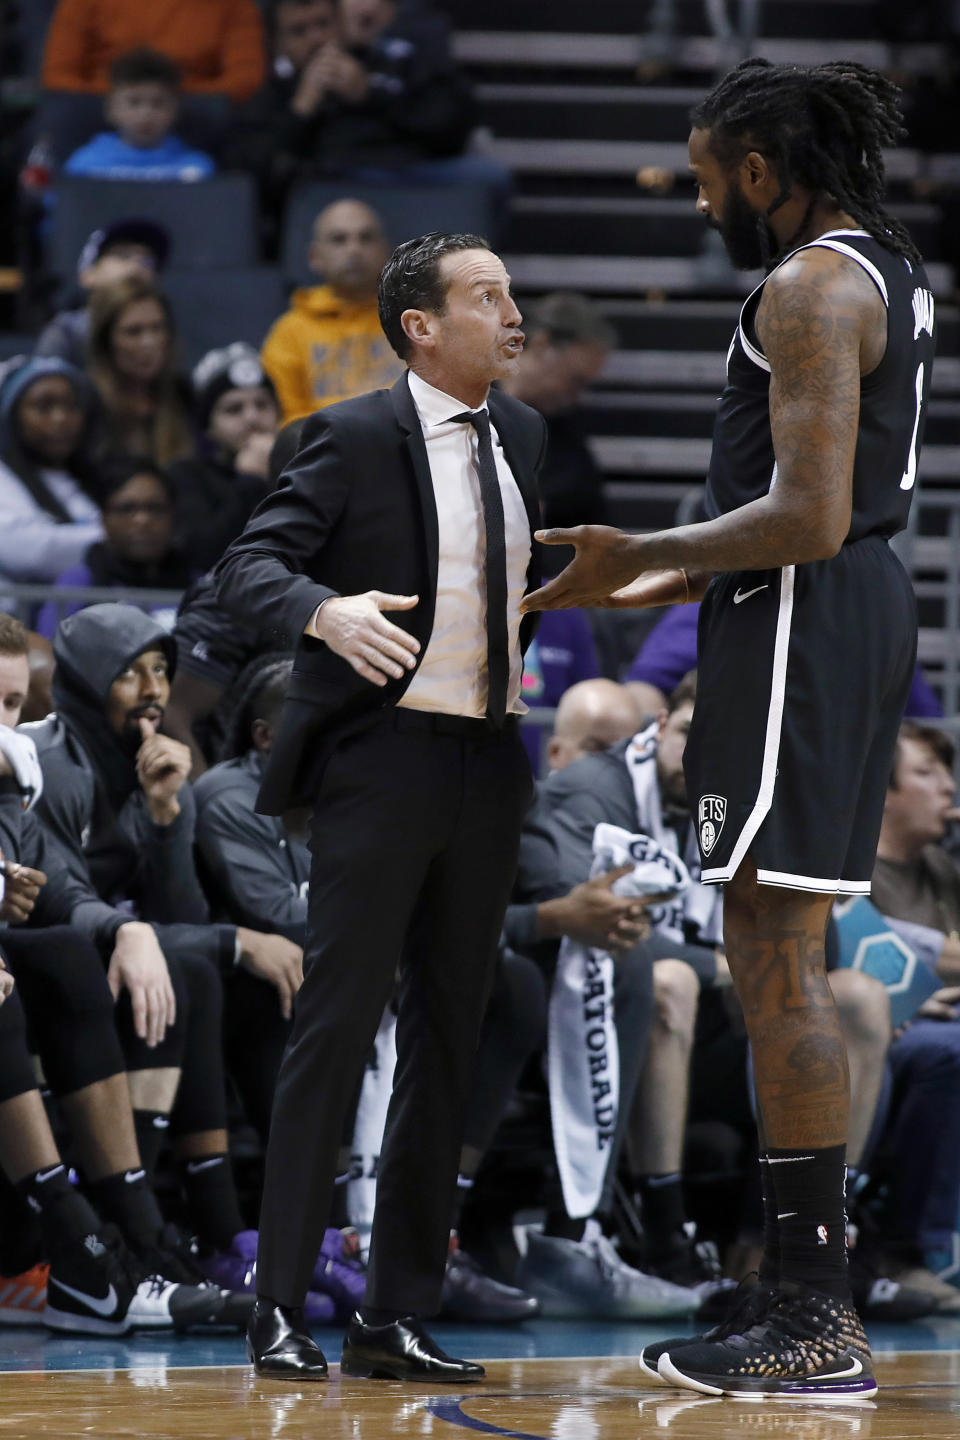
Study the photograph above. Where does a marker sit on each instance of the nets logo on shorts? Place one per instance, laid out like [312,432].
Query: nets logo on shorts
[711,813]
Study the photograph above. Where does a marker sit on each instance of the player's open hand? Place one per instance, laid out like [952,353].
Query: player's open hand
[604,563]
[354,626]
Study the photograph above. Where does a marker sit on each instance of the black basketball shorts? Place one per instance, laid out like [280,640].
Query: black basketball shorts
[803,675]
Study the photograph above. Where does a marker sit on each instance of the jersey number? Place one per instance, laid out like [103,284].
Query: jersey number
[910,474]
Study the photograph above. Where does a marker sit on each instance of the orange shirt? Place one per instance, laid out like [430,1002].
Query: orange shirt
[326,349]
[218,44]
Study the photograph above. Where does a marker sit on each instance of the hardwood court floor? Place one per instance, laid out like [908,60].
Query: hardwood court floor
[546,1399]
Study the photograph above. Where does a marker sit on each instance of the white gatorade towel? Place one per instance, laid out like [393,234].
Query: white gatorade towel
[368,1128]
[583,1058]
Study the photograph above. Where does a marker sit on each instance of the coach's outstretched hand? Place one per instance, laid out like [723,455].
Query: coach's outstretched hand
[354,627]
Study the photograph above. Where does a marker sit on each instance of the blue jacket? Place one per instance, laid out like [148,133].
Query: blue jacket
[107,157]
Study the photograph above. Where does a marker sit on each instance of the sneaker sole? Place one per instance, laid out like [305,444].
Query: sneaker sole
[809,1392]
[22,1317]
[83,1324]
[651,1373]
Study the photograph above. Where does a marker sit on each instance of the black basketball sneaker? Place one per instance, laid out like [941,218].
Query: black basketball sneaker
[808,1346]
[748,1306]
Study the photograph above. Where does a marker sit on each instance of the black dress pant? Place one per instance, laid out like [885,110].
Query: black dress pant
[415,838]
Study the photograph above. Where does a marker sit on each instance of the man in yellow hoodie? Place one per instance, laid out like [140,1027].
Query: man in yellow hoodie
[329,345]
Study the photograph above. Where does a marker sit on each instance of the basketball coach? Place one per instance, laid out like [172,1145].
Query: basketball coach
[417,502]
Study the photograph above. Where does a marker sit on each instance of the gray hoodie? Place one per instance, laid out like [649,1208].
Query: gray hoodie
[93,810]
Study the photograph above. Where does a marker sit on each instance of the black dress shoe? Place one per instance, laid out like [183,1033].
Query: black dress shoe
[400,1351]
[469,1294]
[280,1345]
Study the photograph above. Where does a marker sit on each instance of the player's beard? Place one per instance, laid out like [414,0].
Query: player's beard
[746,235]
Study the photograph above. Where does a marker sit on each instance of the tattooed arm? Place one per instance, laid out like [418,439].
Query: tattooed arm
[822,324]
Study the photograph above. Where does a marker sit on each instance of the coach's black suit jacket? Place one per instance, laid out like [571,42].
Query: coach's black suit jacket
[356,512]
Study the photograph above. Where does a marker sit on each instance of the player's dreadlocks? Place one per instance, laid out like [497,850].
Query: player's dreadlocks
[824,127]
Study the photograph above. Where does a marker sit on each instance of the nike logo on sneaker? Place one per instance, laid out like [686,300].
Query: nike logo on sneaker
[854,1368]
[195,1166]
[107,1306]
[788,1214]
[742,595]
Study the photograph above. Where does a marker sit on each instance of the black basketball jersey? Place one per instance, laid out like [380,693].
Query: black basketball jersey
[893,399]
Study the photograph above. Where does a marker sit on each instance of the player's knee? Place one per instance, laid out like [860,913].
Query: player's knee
[203,983]
[676,991]
[863,1006]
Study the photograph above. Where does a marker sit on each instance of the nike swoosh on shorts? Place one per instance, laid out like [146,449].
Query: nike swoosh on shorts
[742,595]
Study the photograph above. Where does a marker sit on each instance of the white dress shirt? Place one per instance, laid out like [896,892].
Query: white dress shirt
[452,676]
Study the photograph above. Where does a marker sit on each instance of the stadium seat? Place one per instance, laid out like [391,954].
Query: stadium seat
[215,307]
[212,224]
[406,212]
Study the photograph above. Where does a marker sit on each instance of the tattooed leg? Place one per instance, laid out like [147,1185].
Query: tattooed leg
[775,947]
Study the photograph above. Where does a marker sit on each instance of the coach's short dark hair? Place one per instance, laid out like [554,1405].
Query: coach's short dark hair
[937,742]
[411,280]
[144,66]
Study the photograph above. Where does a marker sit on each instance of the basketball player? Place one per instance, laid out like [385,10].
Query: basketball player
[807,644]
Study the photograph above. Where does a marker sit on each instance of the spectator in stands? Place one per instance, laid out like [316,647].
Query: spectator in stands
[571,1267]
[378,97]
[734,38]
[567,346]
[257,872]
[916,885]
[212,649]
[603,787]
[38,703]
[218,44]
[236,413]
[132,365]
[137,551]
[121,815]
[329,345]
[48,515]
[73,1029]
[591,717]
[142,107]
[915,880]
[122,249]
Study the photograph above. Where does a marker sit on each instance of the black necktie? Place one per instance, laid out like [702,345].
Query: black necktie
[495,568]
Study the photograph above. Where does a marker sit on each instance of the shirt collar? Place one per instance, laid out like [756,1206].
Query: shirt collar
[433,406]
